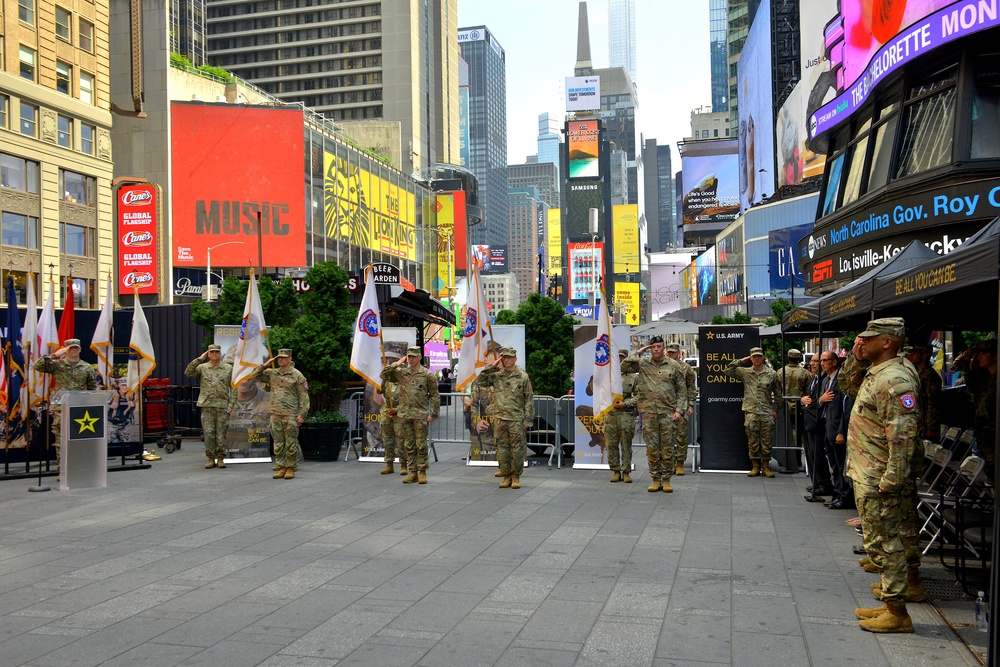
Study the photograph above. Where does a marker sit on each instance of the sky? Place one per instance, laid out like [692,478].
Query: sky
[539,40]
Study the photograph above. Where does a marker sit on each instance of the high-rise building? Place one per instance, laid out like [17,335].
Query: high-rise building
[487,131]
[621,35]
[717,25]
[739,15]
[501,291]
[549,138]
[390,60]
[543,176]
[187,30]
[659,194]
[522,256]
[55,147]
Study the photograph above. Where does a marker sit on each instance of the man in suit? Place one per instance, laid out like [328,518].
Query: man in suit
[833,424]
[818,469]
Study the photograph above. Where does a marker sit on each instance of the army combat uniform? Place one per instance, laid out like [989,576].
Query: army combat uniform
[619,428]
[480,398]
[792,381]
[760,402]
[389,427]
[68,376]
[684,425]
[215,400]
[513,410]
[418,400]
[289,400]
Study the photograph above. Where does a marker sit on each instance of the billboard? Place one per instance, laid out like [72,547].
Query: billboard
[365,209]
[627,302]
[581,197]
[224,180]
[711,188]
[586,264]
[137,213]
[554,254]
[449,208]
[490,259]
[665,288]
[705,277]
[583,145]
[731,275]
[866,41]
[756,123]
[583,93]
[783,259]
[625,221]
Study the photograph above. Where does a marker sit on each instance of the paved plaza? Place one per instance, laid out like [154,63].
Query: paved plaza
[178,565]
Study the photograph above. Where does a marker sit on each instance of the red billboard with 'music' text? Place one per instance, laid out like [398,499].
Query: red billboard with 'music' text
[137,219]
[233,165]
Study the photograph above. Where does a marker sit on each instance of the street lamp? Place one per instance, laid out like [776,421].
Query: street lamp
[208,267]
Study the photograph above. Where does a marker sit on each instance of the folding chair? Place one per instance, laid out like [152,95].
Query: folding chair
[949,436]
[964,487]
[963,447]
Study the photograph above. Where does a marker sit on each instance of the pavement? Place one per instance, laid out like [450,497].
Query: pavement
[178,565]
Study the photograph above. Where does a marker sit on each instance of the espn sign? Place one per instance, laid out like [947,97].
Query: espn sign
[137,216]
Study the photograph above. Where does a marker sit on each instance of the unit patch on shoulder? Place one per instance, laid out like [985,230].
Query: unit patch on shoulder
[908,401]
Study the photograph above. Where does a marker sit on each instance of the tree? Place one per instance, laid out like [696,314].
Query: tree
[739,317]
[772,346]
[278,301]
[548,340]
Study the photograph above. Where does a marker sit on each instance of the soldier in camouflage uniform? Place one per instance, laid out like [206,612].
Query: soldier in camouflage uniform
[513,410]
[477,410]
[70,373]
[792,382]
[681,432]
[419,405]
[979,368]
[390,429]
[880,444]
[930,391]
[761,399]
[288,408]
[619,427]
[215,400]
[662,403]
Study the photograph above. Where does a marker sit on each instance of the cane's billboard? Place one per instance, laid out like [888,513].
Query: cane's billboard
[137,215]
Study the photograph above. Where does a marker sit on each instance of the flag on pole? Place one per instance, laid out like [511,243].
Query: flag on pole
[103,342]
[476,332]
[46,341]
[366,353]
[141,359]
[29,350]
[67,322]
[607,367]
[14,366]
[251,350]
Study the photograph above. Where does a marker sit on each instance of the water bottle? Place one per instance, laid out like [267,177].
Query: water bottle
[982,613]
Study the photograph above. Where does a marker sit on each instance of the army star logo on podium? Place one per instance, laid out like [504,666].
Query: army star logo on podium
[87,423]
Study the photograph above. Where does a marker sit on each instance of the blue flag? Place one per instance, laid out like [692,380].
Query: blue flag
[14,364]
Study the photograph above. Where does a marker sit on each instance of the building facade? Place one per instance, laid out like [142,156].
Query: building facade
[621,35]
[549,138]
[501,291]
[55,147]
[659,196]
[543,176]
[707,124]
[523,254]
[719,61]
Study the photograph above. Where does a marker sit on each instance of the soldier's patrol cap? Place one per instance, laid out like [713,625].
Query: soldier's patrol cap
[71,342]
[988,345]
[215,348]
[921,349]
[673,347]
[656,339]
[623,352]
[755,351]
[506,351]
[414,351]
[794,354]
[285,352]
[885,326]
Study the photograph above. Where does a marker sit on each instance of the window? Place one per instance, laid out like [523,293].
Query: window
[19,230]
[65,132]
[77,188]
[63,22]
[928,123]
[86,88]
[4,104]
[26,11]
[76,240]
[27,57]
[64,77]
[87,133]
[833,185]
[19,174]
[29,119]
[986,109]
[86,36]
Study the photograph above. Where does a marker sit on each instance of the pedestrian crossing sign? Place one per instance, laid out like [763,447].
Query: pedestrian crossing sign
[86,422]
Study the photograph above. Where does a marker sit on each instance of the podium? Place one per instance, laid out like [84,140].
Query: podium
[84,440]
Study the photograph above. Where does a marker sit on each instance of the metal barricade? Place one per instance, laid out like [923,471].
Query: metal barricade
[451,426]
[789,436]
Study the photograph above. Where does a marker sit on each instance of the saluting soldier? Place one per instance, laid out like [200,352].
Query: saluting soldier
[288,408]
[761,397]
[681,432]
[513,410]
[390,429]
[215,398]
[419,405]
[619,427]
[662,403]
[477,409]
[70,373]
[792,382]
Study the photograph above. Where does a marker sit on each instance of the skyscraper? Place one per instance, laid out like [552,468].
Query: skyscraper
[621,35]
[187,29]
[487,131]
[549,138]
[717,25]
[660,192]
[739,16]
[523,252]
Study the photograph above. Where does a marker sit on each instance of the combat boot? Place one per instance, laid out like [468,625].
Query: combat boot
[868,566]
[765,468]
[679,469]
[755,469]
[280,473]
[387,470]
[515,481]
[421,477]
[277,468]
[289,473]
[411,479]
[402,468]
[666,488]
[654,486]
[894,619]
[617,477]
[507,481]
[210,464]
[499,473]
[626,478]
[220,463]
[863,613]
[915,592]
